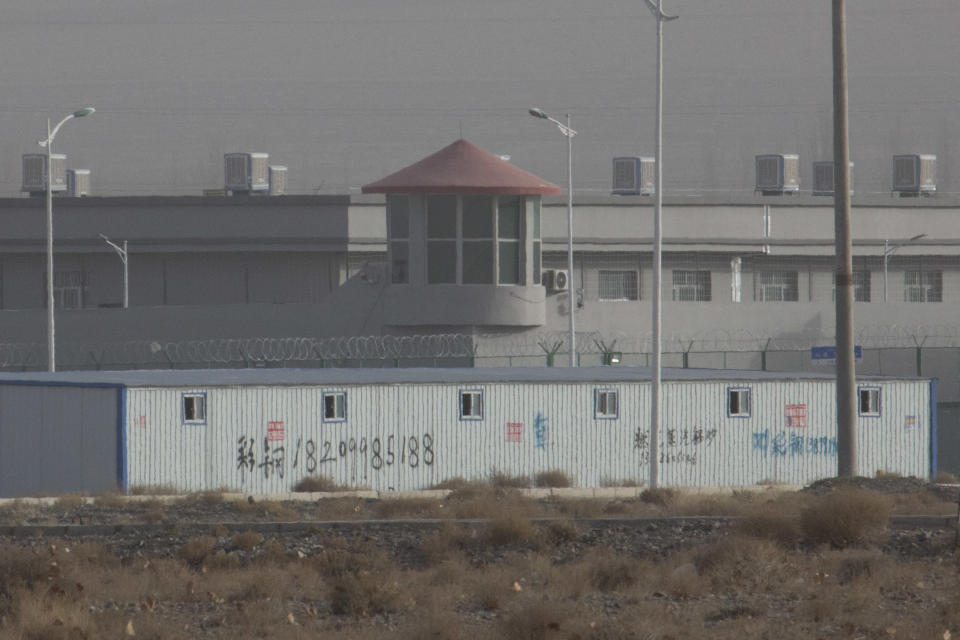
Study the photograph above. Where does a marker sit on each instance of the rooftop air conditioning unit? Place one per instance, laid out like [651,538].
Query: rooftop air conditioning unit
[556,280]
[823,184]
[278,180]
[914,174]
[78,183]
[778,174]
[633,175]
[246,172]
[35,172]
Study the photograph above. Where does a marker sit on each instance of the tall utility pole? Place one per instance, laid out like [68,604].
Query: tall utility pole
[656,346]
[846,374]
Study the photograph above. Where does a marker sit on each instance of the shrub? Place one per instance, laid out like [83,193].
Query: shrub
[194,551]
[845,517]
[438,547]
[561,531]
[503,481]
[613,572]
[659,496]
[782,528]
[510,527]
[246,540]
[317,484]
[741,562]
[554,479]
[483,501]
[363,593]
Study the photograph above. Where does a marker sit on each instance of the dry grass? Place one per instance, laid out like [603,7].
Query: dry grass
[845,517]
[660,497]
[110,500]
[153,490]
[318,484]
[613,572]
[268,509]
[501,480]
[246,540]
[195,551]
[796,566]
[409,508]
[553,479]
[510,527]
[340,509]
[69,502]
[626,483]
[945,477]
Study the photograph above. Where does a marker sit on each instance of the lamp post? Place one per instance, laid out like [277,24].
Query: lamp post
[889,251]
[656,369]
[122,252]
[569,133]
[48,143]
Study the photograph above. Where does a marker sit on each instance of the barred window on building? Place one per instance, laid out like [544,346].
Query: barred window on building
[861,286]
[619,285]
[691,286]
[922,286]
[67,289]
[777,286]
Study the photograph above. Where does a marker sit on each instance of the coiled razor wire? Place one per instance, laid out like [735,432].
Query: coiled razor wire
[335,351]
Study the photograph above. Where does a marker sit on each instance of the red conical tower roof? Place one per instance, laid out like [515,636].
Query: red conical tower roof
[463,167]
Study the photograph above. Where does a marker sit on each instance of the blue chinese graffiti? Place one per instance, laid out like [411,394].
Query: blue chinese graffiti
[540,430]
[785,444]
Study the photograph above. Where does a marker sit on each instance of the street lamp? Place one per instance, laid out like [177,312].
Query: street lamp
[122,252]
[656,370]
[569,133]
[889,251]
[48,143]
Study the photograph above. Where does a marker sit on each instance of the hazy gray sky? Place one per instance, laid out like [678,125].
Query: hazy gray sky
[345,92]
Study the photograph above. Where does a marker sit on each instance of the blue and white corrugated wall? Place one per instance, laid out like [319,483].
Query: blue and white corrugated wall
[264,439]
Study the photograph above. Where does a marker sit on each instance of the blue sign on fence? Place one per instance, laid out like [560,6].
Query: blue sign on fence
[828,355]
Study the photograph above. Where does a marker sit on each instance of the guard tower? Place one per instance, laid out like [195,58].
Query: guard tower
[464,246]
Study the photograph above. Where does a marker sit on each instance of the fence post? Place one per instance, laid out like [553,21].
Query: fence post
[919,355]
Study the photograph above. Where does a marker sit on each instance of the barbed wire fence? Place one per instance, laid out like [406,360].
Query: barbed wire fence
[738,349]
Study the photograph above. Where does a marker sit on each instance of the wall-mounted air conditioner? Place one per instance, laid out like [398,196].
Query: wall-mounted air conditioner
[634,175]
[914,174]
[823,184]
[35,172]
[246,172]
[278,180]
[556,280]
[78,183]
[778,174]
